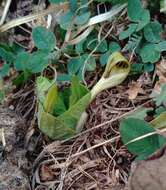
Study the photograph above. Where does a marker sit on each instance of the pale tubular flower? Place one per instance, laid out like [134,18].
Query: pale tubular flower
[116,71]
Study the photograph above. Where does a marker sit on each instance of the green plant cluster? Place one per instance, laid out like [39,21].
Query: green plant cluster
[28,63]
[144,36]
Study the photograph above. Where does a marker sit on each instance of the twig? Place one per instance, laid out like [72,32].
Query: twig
[3,137]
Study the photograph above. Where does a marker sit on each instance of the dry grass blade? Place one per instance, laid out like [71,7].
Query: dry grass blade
[7,5]
[81,36]
[92,21]
[104,17]
[16,22]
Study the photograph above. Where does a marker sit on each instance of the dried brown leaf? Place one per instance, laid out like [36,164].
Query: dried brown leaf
[134,90]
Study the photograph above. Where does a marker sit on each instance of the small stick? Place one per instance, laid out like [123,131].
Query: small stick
[95,146]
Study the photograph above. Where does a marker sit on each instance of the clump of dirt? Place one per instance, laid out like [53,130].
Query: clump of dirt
[149,175]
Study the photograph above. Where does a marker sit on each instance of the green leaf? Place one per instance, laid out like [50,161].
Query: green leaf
[133,43]
[79,48]
[54,102]
[104,58]
[77,91]
[33,63]
[65,96]
[114,46]
[51,99]
[82,18]
[131,129]
[55,128]
[6,55]
[93,42]
[134,10]
[65,19]
[69,49]
[140,113]
[16,48]
[43,39]
[22,61]
[42,87]
[152,32]
[161,46]
[144,20]
[159,110]
[4,70]
[73,4]
[137,14]
[91,64]
[63,77]
[74,65]
[149,67]
[127,33]
[62,101]
[38,62]
[137,68]
[73,114]
[22,78]
[149,54]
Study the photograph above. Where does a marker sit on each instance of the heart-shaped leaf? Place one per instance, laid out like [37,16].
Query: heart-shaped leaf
[152,32]
[131,129]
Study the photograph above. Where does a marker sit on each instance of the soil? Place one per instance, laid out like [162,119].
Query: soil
[12,155]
